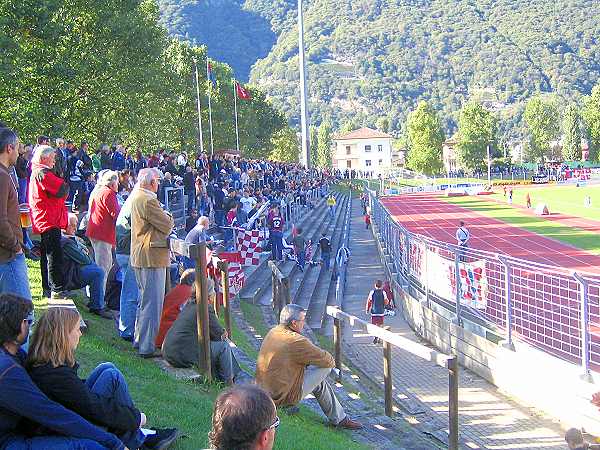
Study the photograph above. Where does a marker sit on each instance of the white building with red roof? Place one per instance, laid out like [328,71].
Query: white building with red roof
[364,149]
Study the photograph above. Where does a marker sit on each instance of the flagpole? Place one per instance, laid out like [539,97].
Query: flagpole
[237,133]
[198,105]
[209,107]
[304,114]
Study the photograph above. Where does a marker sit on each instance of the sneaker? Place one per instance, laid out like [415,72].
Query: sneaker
[104,313]
[59,294]
[162,439]
[349,424]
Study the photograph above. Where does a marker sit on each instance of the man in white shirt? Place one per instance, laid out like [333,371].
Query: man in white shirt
[462,238]
[247,202]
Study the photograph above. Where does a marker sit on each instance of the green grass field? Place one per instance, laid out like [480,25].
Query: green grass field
[567,200]
[168,402]
[582,239]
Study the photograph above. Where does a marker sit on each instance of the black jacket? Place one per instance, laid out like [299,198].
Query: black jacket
[62,385]
[180,347]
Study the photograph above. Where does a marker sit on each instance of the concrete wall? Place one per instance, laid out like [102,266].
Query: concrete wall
[529,375]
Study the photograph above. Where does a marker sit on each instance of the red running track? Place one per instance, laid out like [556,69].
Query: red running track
[546,307]
[428,215]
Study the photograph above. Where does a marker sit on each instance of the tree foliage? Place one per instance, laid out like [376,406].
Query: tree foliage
[324,151]
[476,130]
[543,121]
[571,128]
[104,70]
[285,146]
[314,145]
[425,139]
[591,115]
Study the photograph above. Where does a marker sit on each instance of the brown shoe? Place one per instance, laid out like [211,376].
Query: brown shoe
[349,424]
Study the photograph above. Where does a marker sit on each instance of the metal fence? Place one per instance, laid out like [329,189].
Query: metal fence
[551,308]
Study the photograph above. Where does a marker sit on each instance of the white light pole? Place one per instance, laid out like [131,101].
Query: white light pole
[198,104]
[303,89]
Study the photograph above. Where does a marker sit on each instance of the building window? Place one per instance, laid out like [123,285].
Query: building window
[368,163]
[348,151]
[349,164]
[380,148]
[367,148]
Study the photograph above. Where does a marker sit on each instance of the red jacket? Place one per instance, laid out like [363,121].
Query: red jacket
[47,194]
[103,213]
[171,309]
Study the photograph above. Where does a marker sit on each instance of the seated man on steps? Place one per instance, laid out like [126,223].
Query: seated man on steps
[290,367]
[180,345]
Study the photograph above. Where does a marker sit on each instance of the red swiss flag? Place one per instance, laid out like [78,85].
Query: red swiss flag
[242,93]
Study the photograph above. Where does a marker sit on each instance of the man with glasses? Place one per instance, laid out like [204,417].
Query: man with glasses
[290,367]
[244,417]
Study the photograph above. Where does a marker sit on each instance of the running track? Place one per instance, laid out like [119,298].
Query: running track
[546,310]
[428,215]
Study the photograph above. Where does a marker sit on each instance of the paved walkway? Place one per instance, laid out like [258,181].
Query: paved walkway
[488,419]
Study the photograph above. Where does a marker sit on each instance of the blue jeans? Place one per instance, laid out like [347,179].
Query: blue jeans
[129,298]
[52,442]
[301,255]
[92,275]
[332,211]
[13,277]
[326,257]
[107,381]
[191,201]
[276,238]
[23,190]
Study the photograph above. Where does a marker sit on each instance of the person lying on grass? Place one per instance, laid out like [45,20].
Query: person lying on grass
[103,398]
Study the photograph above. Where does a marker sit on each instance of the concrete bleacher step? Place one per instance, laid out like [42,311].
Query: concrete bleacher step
[258,279]
[323,293]
[302,291]
[312,230]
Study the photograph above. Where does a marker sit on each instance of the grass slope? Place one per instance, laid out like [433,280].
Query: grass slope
[169,402]
[582,239]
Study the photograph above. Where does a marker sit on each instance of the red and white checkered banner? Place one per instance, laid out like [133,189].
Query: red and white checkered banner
[237,277]
[248,245]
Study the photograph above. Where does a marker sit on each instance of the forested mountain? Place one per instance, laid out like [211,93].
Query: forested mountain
[371,61]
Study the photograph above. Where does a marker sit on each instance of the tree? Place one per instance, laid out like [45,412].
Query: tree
[591,115]
[285,146]
[425,139]
[571,127]
[314,145]
[383,124]
[542,119]
[325,143]
[476,130]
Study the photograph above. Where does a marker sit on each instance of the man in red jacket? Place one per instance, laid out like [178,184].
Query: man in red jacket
[47,194]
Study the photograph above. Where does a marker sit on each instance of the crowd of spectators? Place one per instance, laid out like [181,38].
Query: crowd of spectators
[98,216]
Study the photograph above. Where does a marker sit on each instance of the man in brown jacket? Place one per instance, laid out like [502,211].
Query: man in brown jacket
[290,367]
[13,268]
[150,227]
